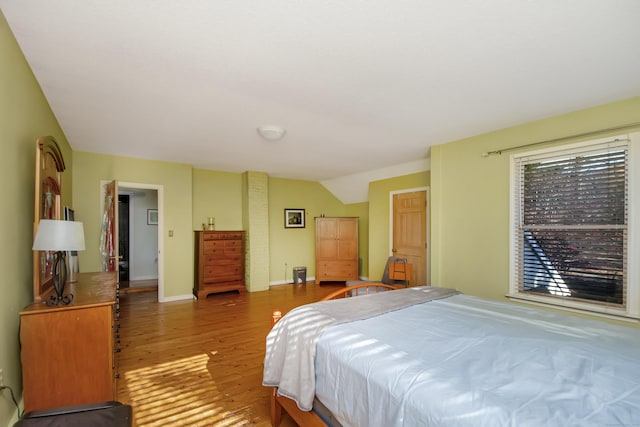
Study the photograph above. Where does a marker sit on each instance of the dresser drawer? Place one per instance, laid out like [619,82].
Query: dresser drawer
[213,247]
[222,247]
[227,259]
[335,270]
[222,273]
[223,235]
[232,251]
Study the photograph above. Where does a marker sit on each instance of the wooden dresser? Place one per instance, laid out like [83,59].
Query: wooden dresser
[336,249]
[68,350]
[219,262]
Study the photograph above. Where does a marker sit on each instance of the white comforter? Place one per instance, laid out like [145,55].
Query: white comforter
[465,361]
[291,344]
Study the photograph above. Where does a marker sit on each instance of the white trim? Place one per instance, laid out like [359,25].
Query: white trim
[177,297]
[426,219]
[160,190]
[633,224]
[631,312]
[287,282]
[280,283]
[141,278]
[574,306]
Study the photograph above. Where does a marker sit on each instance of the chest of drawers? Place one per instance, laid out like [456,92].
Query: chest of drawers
[68,351]
[219,262]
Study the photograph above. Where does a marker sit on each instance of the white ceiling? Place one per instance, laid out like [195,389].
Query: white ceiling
[358,85]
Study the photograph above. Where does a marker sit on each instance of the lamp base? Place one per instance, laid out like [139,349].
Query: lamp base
[54,300]
[59,276]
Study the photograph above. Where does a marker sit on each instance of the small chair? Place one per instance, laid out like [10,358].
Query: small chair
[397,272]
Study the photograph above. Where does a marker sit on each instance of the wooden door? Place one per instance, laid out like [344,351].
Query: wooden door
[410,232]
[109,230]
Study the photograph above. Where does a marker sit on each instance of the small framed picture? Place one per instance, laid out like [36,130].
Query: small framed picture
[152,216]
[294,218]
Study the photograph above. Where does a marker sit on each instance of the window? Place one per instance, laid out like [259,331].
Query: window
[570,228]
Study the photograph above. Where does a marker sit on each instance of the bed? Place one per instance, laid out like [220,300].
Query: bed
[434,357]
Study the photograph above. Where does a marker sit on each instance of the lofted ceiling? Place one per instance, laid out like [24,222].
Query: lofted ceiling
[358,85]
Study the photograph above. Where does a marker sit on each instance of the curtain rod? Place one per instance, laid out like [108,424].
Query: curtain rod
[548,141]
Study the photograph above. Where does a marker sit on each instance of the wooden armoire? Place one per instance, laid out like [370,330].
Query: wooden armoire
[336,249]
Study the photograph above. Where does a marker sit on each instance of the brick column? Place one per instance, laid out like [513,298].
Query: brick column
[255,220]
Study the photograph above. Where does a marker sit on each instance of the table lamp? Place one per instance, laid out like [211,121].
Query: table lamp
[59,236]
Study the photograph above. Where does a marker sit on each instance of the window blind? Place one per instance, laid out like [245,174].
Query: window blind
[571,215]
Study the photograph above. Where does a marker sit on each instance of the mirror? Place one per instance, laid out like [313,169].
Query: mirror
[49,168]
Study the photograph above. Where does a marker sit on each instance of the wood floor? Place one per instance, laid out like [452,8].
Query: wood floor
[199,363]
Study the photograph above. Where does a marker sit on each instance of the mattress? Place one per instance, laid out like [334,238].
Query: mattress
[465,361]
[291,343]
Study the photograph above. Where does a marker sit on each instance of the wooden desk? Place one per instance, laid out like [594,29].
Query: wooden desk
[68,350]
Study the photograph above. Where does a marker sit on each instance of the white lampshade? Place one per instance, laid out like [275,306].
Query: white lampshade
[56,235]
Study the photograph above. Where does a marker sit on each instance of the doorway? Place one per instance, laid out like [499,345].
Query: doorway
[142,244]
[123,235]
[409,231]
[138,238]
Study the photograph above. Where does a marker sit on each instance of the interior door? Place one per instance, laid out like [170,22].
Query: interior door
[410,232]
[109,228]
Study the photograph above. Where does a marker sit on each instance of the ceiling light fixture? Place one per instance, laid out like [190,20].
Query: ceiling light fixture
[271,132]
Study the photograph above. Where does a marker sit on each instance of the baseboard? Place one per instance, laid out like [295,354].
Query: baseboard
[176,298]
[15,413]
[136,279]
[289,282]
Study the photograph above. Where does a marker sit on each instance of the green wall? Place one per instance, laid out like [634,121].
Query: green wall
[361,210]
[175,179]
[296,246]
[470,197]
[379,196]
[24,116]
[217,194]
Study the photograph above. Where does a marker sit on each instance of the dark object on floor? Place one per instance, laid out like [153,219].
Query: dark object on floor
[396,272]
[105,414]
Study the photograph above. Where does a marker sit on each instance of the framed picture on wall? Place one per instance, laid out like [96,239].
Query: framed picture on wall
[152,216]
[294,218]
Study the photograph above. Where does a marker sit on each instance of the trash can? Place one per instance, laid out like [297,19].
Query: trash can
[300,275]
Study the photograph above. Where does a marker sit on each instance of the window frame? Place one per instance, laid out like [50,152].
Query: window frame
[631,310]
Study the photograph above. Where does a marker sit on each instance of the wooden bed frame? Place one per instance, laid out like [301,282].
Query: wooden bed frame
[280,403]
